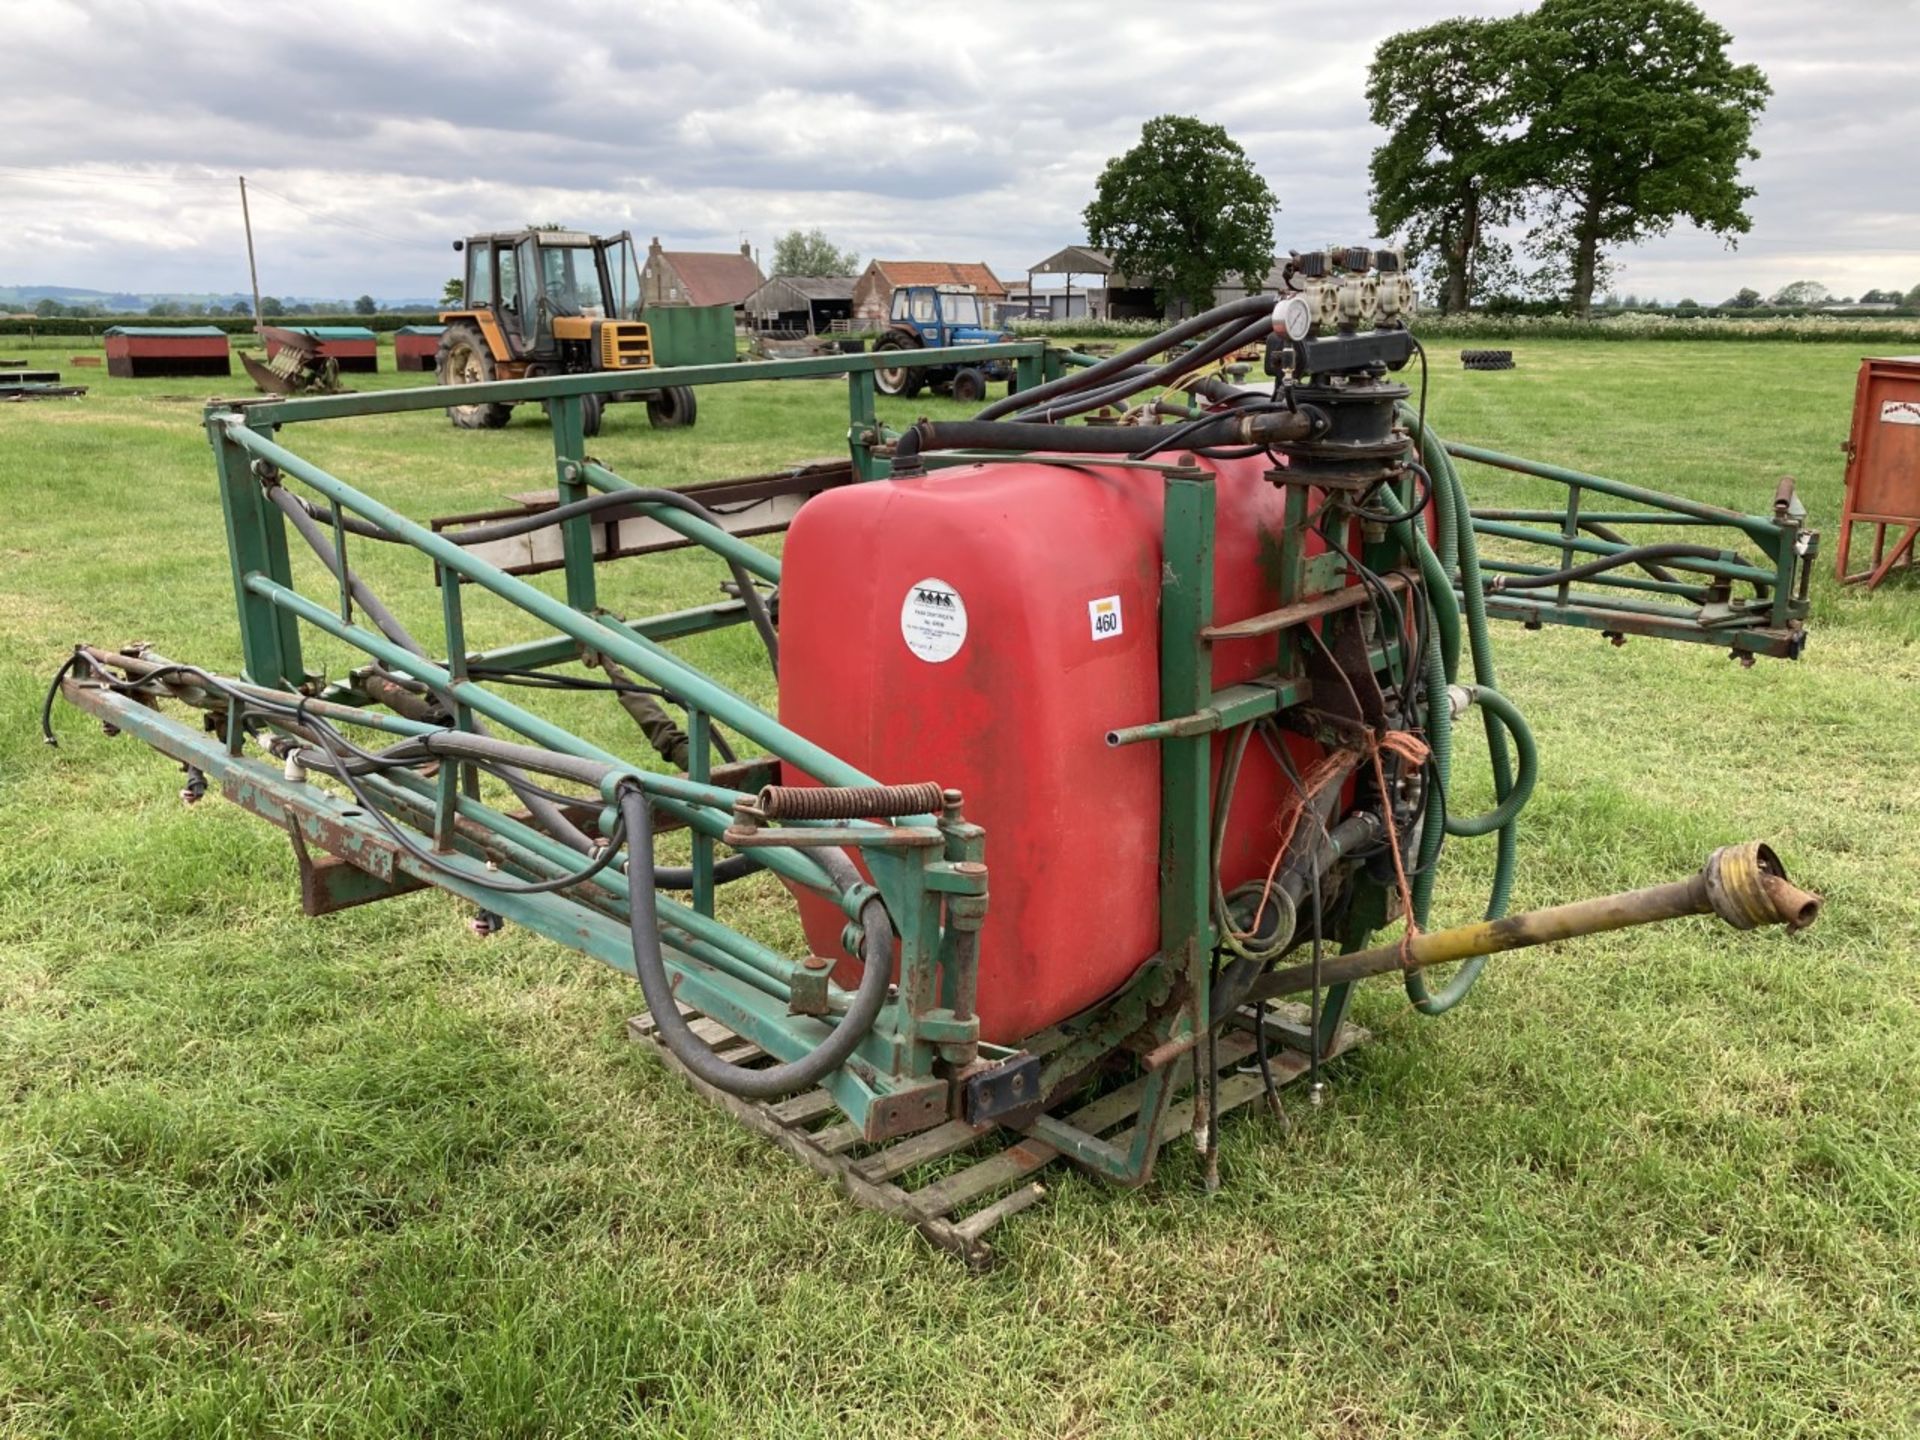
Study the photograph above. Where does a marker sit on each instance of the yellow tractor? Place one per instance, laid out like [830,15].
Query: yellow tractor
[553,302]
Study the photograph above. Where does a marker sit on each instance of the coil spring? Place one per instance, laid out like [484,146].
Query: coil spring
[849,802]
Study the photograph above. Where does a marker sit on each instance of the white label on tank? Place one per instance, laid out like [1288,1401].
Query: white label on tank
[1900,412]
[1104,616]
[933,621]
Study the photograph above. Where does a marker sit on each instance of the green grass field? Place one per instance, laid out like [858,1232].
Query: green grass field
[370,1176]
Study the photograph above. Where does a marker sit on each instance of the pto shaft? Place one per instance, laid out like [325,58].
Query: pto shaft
[1742,884]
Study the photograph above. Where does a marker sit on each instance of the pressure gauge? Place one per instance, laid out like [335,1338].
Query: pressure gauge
[1293,317]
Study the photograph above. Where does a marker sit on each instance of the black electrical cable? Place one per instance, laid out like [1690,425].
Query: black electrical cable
[695,1054]
[1420,419]
[1313,871]
[1391,620]
[1378,516]
[1213,1083]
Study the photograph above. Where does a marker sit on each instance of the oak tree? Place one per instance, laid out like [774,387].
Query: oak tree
[1636,118]
[1445,176]
[1182,211]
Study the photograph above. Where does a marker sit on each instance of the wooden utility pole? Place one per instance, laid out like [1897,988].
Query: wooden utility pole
[253,270]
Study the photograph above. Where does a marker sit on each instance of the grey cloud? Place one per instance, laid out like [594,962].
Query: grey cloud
[902,128]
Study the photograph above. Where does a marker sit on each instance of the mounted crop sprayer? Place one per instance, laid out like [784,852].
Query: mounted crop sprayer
[1186,677]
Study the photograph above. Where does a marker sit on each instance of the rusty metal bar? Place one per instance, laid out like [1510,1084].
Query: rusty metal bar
[1743,884]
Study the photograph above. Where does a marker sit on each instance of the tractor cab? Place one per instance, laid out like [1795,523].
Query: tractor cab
[546,302]
[933,317]
[542,297]
[943,315]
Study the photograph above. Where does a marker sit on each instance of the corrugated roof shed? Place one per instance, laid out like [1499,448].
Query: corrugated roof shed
[1074,260]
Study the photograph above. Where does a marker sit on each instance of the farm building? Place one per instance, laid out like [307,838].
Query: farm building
[1274,283]
[873,295]
[698,277]
[801,304]
[352,347]
[1107,296]
[137,351]
[416,346]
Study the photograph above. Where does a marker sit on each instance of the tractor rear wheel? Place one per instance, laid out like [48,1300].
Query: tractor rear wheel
[969,386]
[464,359]
[672,409]
[905,381]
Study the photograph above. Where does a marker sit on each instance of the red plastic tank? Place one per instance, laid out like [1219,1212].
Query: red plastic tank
[985,627]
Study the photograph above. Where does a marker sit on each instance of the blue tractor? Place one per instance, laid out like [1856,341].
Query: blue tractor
[931,317]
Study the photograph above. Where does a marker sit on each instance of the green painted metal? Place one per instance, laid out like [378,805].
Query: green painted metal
[689,334]
[606,382]
[730,547]
[256,545]
[932,869]
[1571,544]
[569,439]
[724,705]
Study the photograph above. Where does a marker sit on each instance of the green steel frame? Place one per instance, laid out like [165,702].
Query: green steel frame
[929,869]
[1770,622]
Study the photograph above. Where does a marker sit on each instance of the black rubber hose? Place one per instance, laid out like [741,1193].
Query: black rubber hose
[1358,832]
[1021,435]
[305,521]
[1244,308]
[680,877]
[1637,555]
[1204,354]
[1229,427]
[650,967]
[546,519]
[1138,377]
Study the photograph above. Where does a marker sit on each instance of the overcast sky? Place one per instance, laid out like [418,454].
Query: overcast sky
[372,133]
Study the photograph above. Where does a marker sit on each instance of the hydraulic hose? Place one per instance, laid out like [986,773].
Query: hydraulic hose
[1244,308]
[302,516]
[1632,555]
[1080,401]
[1457,543]
[1525,751]
[1229,427]
[650,967]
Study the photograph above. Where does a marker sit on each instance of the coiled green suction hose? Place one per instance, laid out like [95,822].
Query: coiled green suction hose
[1458,550]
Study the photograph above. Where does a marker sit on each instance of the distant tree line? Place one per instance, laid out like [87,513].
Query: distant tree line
[1596,123]
[1799,296]
[271,308]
